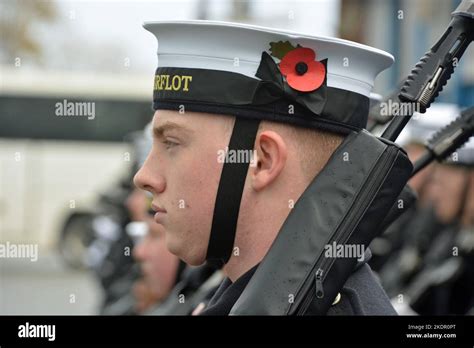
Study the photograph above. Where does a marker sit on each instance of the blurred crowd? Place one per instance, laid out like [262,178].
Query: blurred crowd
[424,260]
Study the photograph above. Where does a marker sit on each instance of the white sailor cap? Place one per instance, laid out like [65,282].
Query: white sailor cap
[254,69]
[423,126]
[375,98]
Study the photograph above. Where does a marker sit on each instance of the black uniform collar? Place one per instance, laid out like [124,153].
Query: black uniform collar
[227,294]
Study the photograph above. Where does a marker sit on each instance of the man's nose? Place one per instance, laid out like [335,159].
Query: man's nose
[149,180]
[139,179]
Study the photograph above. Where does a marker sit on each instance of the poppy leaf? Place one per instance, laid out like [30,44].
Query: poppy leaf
[281,48]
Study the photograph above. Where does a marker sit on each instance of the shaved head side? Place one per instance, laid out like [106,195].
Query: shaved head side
[313,147]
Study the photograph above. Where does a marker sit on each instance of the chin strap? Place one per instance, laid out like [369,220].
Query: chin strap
[229,193]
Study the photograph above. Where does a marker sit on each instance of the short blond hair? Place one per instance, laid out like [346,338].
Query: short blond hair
[313,146]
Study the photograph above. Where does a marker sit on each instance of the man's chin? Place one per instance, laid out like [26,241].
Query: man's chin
[184,252]
[194,261]
[171,244]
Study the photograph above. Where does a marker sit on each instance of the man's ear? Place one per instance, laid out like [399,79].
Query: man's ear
[271,158]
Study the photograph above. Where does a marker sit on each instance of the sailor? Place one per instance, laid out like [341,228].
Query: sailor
[420,218]
[291,99]
[434,263]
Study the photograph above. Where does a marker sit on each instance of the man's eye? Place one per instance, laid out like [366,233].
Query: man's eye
[169,144]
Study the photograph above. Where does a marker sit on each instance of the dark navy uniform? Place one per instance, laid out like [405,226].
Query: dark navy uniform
[361,295]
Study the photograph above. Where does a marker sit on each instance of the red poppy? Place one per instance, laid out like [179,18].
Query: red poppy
[302,71]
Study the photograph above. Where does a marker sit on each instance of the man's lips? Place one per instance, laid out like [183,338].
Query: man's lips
[157,209]
[159,213]
[159,217]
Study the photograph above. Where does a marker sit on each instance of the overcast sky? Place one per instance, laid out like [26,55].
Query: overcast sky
[102,35]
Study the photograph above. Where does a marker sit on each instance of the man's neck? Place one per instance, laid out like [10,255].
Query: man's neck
[256,234]
[262,214]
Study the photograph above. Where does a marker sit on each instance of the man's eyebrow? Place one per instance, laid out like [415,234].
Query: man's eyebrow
[168,125]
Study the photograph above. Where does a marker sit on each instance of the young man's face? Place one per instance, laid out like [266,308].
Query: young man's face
[182,172]
[446,191]
[159,267]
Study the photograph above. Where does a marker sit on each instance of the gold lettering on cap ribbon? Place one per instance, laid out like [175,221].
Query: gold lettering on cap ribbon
[173,83]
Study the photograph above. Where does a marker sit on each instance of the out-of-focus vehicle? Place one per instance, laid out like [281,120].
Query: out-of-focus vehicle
[54,164]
